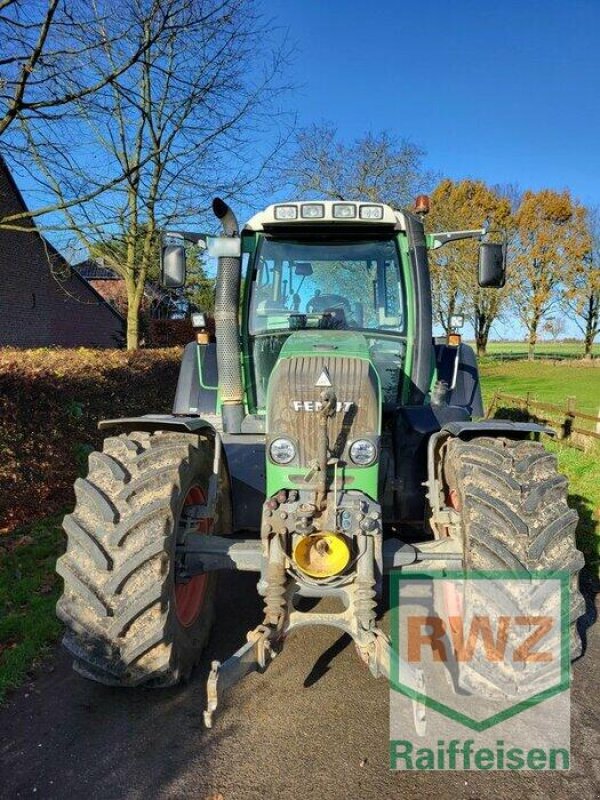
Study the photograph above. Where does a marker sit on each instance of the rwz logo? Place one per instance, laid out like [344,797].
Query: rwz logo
[432,631]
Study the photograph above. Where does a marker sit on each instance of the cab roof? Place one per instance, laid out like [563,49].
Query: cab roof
[302,213]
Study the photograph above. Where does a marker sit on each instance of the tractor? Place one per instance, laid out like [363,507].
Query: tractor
[320,436]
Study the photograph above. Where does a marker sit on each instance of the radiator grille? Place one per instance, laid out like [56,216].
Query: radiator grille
[293,394]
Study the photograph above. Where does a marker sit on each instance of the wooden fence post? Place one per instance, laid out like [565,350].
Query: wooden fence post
[569,417]
[492,405]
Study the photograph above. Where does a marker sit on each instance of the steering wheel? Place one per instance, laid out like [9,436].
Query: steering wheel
[327,302]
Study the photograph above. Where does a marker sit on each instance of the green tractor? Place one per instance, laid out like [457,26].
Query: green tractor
[330,431]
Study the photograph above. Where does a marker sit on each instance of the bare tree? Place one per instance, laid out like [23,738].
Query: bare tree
[376,166]
[181,125]
[554,327]
[52,60]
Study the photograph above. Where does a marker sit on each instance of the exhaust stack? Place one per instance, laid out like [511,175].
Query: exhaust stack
[227,302]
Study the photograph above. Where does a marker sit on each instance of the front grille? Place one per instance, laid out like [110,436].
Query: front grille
[293,393]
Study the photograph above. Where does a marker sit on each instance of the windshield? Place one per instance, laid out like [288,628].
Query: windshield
[345,285]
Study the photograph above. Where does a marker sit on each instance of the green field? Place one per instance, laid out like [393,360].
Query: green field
[542,349]
[549,382]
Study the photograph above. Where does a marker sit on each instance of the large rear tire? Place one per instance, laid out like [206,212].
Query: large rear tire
[514,513]
[128,622]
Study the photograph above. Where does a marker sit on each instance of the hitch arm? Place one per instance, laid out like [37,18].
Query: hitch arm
[397,554]
[199,554]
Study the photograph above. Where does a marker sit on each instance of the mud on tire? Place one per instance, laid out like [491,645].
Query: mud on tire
[515,517]
[118,603]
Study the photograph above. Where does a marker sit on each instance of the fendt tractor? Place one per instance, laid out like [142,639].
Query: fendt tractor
[320,421]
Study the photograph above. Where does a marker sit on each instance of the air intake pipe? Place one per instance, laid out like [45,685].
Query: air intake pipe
[227,302]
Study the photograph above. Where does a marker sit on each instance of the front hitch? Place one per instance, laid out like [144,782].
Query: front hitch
[254,656]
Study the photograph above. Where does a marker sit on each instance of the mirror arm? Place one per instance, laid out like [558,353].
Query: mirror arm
[435,240]
[188,236]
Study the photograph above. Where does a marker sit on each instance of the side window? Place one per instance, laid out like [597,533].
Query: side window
[390,296]
[393,289]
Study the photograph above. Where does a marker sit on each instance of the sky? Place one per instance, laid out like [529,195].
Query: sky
[505,91]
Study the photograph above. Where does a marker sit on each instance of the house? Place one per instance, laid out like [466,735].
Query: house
[157,303]
[43,301]
[105,281]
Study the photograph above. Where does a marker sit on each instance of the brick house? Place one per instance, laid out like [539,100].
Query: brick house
[43,301]
[157,303]
[107,283]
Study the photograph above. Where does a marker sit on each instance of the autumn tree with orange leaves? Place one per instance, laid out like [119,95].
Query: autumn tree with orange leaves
[582,293]
[549,248]
[465,205]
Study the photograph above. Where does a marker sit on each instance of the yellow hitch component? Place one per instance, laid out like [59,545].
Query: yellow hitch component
[322,555]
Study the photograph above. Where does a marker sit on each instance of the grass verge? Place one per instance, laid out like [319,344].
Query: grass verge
[29,588]
[583,473]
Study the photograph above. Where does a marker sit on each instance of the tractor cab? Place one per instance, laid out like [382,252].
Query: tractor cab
[307,276]
[330,296]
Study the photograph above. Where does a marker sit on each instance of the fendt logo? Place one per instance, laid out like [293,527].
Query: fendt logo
[317,405]
[480,671]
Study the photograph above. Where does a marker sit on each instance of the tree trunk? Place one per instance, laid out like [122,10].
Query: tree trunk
[532,340]
[482,331]
[591,325]
[588,342]
[133,323]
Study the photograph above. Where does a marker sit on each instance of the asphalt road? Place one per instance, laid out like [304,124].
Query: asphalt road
[314,726]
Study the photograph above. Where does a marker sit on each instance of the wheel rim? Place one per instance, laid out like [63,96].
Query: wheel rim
[190,596]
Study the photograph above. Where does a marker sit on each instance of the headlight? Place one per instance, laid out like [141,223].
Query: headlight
[198,319]
[371,212]
[286,212]
[312,211]
[344,210]
[282,451]
[363,452]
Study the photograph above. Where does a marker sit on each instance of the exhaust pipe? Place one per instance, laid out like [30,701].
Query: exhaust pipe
[227,303]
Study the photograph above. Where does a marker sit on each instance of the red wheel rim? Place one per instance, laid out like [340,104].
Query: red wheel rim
[190,596]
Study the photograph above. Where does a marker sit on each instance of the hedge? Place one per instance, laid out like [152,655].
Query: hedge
[50,403]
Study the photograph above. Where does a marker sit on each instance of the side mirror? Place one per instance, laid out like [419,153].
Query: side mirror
[492,265]
[172,266]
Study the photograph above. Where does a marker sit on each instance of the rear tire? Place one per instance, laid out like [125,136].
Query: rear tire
[515,517]
[123,625]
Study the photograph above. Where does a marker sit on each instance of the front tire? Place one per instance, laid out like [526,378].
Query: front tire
[128,622]
[514,513]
